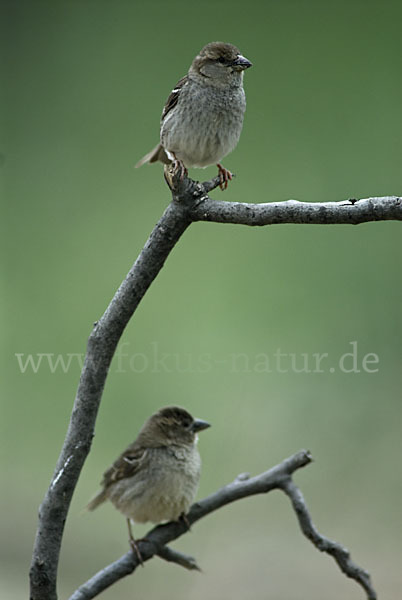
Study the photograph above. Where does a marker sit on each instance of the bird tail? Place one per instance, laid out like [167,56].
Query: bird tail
[157,153]
[96,500]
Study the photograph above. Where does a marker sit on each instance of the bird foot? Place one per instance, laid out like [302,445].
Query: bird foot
[133,544]
[179,168]
[224,176]
[136,550]
[183,518]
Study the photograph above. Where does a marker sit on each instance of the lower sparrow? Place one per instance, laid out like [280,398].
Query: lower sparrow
[156,478]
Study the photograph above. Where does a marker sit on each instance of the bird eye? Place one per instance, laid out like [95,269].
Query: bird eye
[221,60]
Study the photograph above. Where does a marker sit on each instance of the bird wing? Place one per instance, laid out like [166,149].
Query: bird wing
[125,466]
[173,98]
[158,153]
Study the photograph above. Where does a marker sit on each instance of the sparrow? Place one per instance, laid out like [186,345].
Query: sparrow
[156,478]
[203,115]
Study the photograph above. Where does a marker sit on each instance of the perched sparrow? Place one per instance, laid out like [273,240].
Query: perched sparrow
[156,477]
[203,116]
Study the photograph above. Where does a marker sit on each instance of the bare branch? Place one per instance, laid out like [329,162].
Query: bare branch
[338,552]
[279,477]
[190,203]
[292,211]
[345,212]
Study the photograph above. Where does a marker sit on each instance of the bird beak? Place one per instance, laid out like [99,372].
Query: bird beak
[199,425]
[242,63]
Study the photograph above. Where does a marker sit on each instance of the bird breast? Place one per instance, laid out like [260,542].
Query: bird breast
[163,488]
[205,125]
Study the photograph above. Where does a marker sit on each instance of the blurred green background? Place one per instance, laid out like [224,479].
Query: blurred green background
[83,86]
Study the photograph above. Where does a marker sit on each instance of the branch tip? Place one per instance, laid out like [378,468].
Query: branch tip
[339,553]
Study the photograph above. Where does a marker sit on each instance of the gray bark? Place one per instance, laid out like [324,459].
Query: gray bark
[190,202]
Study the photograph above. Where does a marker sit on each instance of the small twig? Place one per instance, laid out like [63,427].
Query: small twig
[184,560]
[210,185]
[338,552]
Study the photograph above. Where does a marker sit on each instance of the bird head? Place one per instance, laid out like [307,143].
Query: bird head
[173,425]
[219,64]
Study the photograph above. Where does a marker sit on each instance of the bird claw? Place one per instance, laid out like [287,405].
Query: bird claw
[136,551]
[185,520]
[224,176]
[179,168]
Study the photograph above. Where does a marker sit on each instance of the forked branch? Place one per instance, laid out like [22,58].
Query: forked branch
[190,202]
[279,477]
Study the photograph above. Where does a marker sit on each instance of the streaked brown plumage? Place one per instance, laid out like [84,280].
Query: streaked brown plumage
[156,477]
